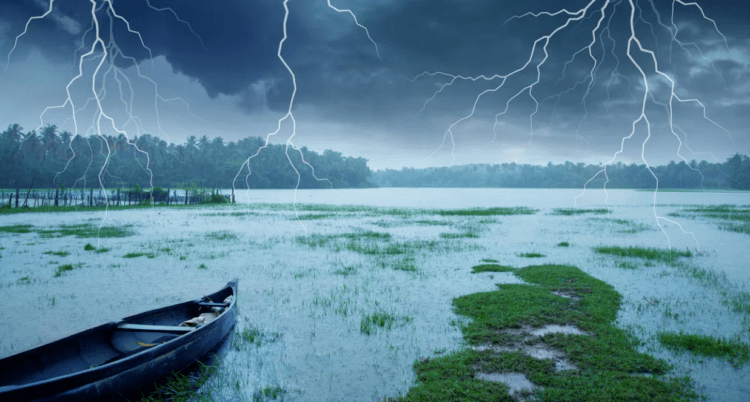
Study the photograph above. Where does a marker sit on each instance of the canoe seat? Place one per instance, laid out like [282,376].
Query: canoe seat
[207,304]
[154,328]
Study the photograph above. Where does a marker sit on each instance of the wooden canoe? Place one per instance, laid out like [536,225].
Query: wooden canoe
[116,357]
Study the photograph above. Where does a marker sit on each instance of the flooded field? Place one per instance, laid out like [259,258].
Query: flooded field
[340,295]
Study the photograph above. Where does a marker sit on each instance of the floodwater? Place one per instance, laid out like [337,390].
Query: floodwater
[308,304]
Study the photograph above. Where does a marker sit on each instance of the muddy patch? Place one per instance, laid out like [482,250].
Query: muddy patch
[557,329]
[516,381]
[567,294]
[528,342]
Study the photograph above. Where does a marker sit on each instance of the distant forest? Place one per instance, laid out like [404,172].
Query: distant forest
[52,158]
[734,173]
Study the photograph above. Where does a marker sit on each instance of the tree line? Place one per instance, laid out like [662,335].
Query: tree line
[734,173]
[52,158]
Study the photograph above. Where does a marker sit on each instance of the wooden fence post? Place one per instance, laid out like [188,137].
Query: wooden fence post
[118,196]
[10,200]
[17,190]
[186,197]
[91,197]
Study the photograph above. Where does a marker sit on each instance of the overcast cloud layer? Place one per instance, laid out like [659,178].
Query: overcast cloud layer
[224,64]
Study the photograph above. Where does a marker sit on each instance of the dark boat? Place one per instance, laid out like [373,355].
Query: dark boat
[116,357]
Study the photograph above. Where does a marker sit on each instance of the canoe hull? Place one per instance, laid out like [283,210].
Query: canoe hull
[131,371]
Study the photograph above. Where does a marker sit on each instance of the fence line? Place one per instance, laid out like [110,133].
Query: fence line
[118,197]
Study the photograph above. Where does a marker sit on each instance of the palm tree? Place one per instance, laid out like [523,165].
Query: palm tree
[190,142]
[65,137]
[14,132]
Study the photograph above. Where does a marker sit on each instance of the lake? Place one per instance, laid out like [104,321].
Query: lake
[306,286]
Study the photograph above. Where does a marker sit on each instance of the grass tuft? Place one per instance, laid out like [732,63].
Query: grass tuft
[463,235]
[57,253]
[64,268]
[491,268]
[531,255]
[498,211]
[732,350]
[221,235]
[16,229]
[668,256]
[563,244]
[138,254]
[89,247]
[579,211]
[382,319]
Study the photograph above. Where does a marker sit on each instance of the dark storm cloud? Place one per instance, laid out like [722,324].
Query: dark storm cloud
[238,46]
[340,75]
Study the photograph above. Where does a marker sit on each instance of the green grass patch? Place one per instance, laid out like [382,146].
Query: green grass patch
[563,244]
[627,265]
[345,271]
[623,226]
[58,253]
[463,235]
[498,211]
[491,268]
[733,218]
[667,256]
[202,266]
[24,281]
[86,231]
[489,260]
[252,335]
[609,364]
[579,211]
[89,247]
[405,264]
[370,322]
[431,222]
[732,350]
[65,268]
[203,383]
[221,235]
[314,217]
[16,229]
[269,392]
[138,254]
[531,255]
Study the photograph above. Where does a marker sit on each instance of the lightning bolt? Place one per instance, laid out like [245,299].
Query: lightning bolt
[289,115]
[104,55]
[603,11]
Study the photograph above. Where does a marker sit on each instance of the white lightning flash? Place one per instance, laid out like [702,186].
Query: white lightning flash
[605,13]
[104,57]
[290,116]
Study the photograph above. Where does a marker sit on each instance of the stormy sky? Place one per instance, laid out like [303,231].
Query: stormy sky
[220,58]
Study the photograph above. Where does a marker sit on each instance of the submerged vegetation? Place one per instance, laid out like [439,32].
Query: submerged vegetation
[81,231]
[731,217]
[66,267]
[531,255]
[667,256]
[732,350]
[579,211]
[508,317]
[491,268]
[381,319]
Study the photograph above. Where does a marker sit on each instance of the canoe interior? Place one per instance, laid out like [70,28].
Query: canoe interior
[100,345]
